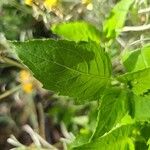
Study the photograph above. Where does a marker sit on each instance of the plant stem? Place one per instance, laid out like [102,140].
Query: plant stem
[9,92]
[146,10]
[136,28]
[41,120]
[12,62]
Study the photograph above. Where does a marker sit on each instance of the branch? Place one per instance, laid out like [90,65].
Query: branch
[11,62]
[41,120]
[9,92]
[145,10]
[136,28]
[139,41]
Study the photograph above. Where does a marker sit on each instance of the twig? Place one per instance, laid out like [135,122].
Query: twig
[37,138]
[45,143]
[136,28]
[121,42]
[68,136]
[9,92]
[139,41]
[41,120]
[64,131]
[29,130]
[13,141]
[145,10]
[12,62]
[30,107]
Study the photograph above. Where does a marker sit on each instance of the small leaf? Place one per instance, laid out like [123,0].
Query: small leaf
[138,59]
[113,108]
[80,140]
[113,25]
[139,81]
[79,70]
[137,63]
[77,31]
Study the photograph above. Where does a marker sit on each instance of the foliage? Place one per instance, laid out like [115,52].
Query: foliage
[116,20]
[83,67]
[79,64]
[82,70]
[78,31]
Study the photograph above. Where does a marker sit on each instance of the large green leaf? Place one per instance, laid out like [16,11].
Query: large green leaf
[139,81]
[77,31]
[113,108]
[117,139]
[138,59]
[79,70]
[114,23]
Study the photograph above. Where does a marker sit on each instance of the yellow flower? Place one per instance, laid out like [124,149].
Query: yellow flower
[88,4]
[50,4]
[28,2]
[26,80]
[27,87]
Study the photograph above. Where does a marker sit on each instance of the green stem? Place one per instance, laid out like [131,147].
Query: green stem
[12,62]
[9,92]
[41,120]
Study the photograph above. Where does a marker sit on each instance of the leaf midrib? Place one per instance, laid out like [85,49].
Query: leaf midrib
[79,72]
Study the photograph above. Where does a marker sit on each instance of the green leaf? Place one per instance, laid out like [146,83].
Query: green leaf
[141,108]
[113,25]
[117,139]
[77,31]
[148,143]
[80,140]
[113,108]
[139,81]
[79,70]
[138,59]
[137,63]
